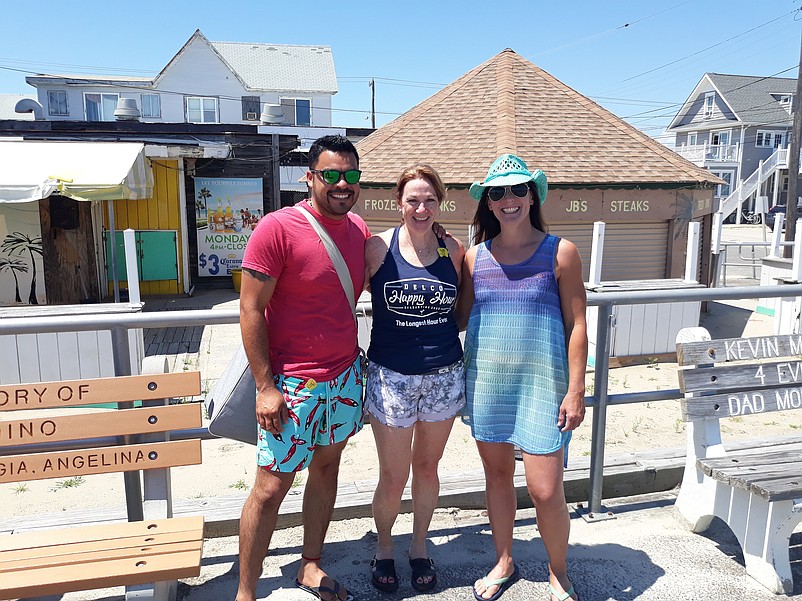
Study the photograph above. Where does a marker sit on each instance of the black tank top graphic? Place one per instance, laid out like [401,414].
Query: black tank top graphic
[414,331]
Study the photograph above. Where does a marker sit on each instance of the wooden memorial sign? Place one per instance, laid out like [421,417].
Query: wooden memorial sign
[23,465]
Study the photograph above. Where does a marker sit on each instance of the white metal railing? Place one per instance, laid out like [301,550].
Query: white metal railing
[599,399]
[700,153]
[778,160]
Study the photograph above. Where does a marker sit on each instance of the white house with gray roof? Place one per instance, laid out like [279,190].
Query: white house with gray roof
[214,82]
[739,127]
[206,82]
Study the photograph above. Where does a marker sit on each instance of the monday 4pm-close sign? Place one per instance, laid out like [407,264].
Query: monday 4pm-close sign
[226,212]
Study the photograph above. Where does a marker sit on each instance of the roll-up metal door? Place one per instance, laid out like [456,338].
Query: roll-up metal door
[632,251]
[581,234]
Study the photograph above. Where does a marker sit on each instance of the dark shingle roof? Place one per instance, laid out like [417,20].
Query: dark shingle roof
[508,104]
[750,98]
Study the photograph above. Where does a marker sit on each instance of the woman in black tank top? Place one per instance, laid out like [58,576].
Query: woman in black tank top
[415,384]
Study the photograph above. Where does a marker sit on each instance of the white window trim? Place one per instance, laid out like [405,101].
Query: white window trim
[66,103]
[86,117]
[296,98]
[788,104]
[695,138]
[761,135]
[710,98]
[142,102]
[721,174]
[719,132]
[216,108]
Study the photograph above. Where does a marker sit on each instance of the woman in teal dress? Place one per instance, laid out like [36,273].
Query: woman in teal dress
[525,354]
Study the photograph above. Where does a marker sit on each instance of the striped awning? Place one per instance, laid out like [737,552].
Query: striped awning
[31,170]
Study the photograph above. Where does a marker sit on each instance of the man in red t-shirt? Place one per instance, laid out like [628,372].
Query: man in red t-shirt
[301,340]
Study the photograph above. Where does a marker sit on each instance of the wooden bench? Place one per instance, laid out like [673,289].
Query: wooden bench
[757,492]
[145,556]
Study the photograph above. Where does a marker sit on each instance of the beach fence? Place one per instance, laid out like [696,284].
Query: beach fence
[119,324]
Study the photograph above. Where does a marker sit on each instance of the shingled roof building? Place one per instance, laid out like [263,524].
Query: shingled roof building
[598,166]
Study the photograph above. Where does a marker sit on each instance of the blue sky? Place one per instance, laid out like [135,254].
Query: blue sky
[640,60]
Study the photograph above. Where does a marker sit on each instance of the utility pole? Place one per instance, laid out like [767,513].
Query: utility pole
[793,161]
[372,85]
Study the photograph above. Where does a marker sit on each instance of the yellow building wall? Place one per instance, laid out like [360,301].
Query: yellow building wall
[161,212]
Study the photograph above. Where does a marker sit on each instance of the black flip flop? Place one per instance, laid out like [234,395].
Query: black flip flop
[318,591]
[421,568]
[383,568]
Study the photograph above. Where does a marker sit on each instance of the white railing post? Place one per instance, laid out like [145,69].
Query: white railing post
[796,265]
[131,270]
[777,236]
[692,254]
[596,253]
[715,242]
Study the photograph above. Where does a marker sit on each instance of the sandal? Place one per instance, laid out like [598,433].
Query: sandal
[384,568]
[423,567]
[563,596]
[502,584]
[332,592]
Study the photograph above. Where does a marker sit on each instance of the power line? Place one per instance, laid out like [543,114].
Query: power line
[611,30]
[709,47]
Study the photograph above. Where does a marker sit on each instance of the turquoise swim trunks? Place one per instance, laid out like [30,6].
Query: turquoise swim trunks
[321,413]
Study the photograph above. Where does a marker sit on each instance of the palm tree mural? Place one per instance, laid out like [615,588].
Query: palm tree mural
[201,205]
[13,265]
[17,243]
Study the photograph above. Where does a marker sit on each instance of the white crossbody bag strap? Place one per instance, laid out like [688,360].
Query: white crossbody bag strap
[336,258]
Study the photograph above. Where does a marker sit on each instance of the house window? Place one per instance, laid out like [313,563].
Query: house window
[723,190]
[250,108]
[769,139]
[57,103]
[710,99]
[297,111]
[786,101]
[692,138]
[151,106]
[100,107]
[202,110]
[720,138]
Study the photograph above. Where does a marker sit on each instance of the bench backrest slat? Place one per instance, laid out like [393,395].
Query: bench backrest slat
[737,404]
[101,460]
[120,422]
[73,393]
[739,376]
[739,349]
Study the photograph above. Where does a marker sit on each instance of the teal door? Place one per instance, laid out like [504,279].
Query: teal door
[156,251]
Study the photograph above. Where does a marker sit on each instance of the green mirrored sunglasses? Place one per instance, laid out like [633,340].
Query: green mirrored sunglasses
[333,176]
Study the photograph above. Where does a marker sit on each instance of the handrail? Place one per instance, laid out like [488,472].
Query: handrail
[750,184]
[599,400]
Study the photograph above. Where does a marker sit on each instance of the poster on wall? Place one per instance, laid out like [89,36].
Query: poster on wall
[22,279]
[226,213]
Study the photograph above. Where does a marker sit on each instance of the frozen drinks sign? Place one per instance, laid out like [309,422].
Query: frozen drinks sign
[226,212]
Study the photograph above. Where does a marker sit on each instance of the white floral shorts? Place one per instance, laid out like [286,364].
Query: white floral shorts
[399,400]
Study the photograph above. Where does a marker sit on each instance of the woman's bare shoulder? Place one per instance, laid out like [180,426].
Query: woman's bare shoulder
[376,248]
